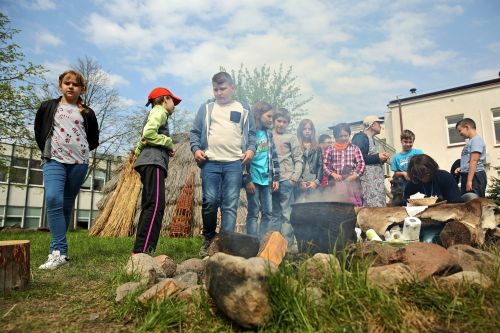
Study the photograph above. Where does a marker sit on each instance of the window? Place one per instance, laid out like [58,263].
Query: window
[87,183]
[35,173]
[33,215]
[99,179]
[18,169]
[453,136]
[4,167]
[496,124]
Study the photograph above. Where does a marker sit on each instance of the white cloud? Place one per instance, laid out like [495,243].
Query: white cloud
[486,74]
[38,4]
[55,68]
[44,39]
[127,102]
[116,80]
[335,48]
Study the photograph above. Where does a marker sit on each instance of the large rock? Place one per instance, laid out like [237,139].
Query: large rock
[315,295]
[145,266]
[163,289]
[459,279]
[470,258]
[125,289]
[389,276]
[239,289]
[376,252]
[191,293]
[192,265]
[189,279]
[319,266]
[166,264]
[427,259]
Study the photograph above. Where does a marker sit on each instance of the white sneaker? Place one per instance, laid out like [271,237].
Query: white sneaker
[55,260]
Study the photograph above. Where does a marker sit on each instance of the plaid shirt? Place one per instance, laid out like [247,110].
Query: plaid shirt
[335,161]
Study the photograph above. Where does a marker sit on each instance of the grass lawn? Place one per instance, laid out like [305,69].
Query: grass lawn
[80,297]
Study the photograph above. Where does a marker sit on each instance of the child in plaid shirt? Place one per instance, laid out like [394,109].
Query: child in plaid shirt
[343,164]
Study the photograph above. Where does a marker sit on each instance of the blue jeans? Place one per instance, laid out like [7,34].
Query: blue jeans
[62,183]
[259,202]
[221,184]
[282,201]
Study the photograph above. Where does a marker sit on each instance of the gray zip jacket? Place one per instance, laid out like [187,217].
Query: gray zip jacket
[198,137]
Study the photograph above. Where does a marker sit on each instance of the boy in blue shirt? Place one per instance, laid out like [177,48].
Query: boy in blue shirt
[400,166]
[473,175]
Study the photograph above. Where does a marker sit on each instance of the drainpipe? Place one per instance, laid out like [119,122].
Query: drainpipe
[400,116]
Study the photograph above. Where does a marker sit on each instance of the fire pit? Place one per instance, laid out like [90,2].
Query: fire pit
[323,226]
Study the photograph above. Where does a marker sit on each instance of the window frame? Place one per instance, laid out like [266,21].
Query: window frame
[453,127]
[493,118]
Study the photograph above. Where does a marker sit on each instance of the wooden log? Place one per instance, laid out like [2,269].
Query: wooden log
[455,232]
[273,247]
[14,264]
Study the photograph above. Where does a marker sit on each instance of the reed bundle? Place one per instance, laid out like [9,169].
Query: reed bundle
[117,216]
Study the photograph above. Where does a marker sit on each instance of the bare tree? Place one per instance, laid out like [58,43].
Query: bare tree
[181,121]
[116,130]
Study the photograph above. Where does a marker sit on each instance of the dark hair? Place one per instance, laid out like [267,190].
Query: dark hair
[258,110]
[323,137]
[407,135]
[80,80]
[222,77]
[466,122]
[282,112]
[420,166]
[300,134]
[341,127]
[159,100]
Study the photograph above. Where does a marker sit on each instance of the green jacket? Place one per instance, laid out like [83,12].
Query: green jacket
[155,141]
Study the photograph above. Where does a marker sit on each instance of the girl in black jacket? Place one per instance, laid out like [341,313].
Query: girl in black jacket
[312,170]
[66,131]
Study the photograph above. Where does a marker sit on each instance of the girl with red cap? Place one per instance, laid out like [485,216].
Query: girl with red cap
[153,152]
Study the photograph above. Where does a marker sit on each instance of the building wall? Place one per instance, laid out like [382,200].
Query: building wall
[432,119]
[22,192]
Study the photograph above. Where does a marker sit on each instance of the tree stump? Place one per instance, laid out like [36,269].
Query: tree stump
[456,233]
[14,264]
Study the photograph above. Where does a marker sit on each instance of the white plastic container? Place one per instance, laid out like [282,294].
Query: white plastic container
[372,235]
[411,228]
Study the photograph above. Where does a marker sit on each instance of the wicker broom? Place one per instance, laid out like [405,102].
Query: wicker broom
[116,219]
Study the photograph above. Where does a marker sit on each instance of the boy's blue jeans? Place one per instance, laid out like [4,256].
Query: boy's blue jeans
[221,184]
[62,183]
[259,202]
[282,201]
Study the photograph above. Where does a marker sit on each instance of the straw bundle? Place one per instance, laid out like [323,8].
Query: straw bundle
[116,218]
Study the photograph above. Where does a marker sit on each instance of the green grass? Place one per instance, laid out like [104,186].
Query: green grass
[80,297]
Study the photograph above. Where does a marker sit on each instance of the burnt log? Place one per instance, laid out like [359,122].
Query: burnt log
[14,265]
[454,233]
[477,216]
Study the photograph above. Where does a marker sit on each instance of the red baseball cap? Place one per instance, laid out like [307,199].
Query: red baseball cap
[160,91]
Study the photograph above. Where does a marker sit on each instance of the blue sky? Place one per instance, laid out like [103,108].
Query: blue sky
[353,57]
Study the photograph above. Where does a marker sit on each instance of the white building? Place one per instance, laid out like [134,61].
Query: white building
[433,116]
[22,192]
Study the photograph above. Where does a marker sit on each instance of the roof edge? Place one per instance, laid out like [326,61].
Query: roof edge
[445,91]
